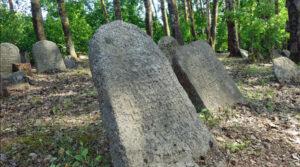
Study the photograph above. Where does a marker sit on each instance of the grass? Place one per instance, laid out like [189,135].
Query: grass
[234,147]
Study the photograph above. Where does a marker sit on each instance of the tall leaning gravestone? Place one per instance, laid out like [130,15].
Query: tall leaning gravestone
[47,56]
[200,73]
[9,54]
[149,119]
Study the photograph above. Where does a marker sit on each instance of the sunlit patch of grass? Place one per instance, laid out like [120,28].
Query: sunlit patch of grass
[254,69]
[234,147]
[208,118]
[83,71]
[36,100]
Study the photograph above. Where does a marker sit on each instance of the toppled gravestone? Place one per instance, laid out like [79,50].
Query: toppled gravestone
[286,71]
[70,62]
[9,54]
[202,76]
[149,120]
[47,57]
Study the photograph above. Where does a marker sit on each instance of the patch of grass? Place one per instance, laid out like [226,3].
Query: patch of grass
[67,103]
[234,147]
[254,70]
[207,117]
[36,100]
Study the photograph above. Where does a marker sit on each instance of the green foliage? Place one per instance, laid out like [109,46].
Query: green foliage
[260,30]
[16,28]
[79,157]
[208,118]
[234,147]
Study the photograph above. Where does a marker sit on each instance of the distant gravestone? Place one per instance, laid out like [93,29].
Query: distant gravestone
[203,77]
[9,54]
[244,53]
[286,71]
[147,115]
[47,57]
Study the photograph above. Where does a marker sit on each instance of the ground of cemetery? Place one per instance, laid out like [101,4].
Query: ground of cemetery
[56,121]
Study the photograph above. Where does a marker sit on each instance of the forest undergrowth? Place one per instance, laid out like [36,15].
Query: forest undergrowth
[56,121]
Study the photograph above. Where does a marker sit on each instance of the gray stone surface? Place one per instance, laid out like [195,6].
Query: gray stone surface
[169,46]
[9,54]
[244,53]
[149,119]
[204,77]
[70,62]
[17,77]
[286,71]
[47,57]
[286,53]
[275,53]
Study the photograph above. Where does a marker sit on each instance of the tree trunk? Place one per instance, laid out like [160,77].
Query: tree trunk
[66,28]
[164,18]
[117,8]
[208,16]
[214,24]
[104,11]
[276,7]
[185,7]
[154,8]
[293,27]
[192,21]
[149,17]
[233,43]
[175,21]
[11,5]
[37,20]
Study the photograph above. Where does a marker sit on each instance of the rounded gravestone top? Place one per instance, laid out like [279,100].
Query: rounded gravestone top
[47,56]
[168,45]
[9,55]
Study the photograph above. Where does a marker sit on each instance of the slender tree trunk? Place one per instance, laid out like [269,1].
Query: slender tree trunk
[154,8]
[11,5]
[164,18]
[117,8]
[276,7]
[37,20]
[185,7]
[149,17]
[208,16]
[233,43]
[214,24]
[192,21]
[104,11]
[66,28]
[175,21]
[293,27]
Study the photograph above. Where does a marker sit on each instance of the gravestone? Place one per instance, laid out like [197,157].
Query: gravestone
[9,54]
[286,71]
[3,88]
[203,76]
[148,117]
[47,57]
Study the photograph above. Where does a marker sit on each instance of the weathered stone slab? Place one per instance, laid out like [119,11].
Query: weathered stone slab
[148,117]
[47,57]
[9,54]
[203,77]
[286,71]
